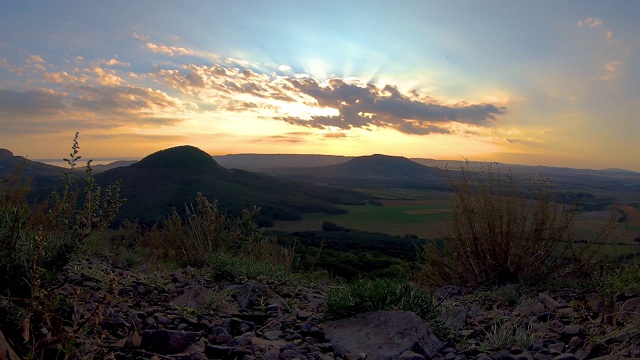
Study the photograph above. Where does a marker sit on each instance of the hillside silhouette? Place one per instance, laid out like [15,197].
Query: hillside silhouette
[43,177]
[171,179]
[373,171]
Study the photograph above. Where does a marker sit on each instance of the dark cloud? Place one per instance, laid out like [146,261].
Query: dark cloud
[369,105]
[85,107]
[19,104]
[359,106]
[132,103]
[290,137]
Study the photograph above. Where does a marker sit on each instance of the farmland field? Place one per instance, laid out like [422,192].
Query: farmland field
[427,215]
[424,218]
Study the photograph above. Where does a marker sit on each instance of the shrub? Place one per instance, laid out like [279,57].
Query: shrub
[206,233]
[364,295]
[38,240]
[503,231]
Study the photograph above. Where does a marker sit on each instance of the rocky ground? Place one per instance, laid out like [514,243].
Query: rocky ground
[139,314]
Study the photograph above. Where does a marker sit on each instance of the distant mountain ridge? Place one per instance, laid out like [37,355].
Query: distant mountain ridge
[373,171]
[171,179]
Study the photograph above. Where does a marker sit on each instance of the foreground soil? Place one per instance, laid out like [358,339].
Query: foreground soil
[118,312]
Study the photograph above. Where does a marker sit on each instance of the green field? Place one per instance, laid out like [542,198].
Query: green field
[427,214]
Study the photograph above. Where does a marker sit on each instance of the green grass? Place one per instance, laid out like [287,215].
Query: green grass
[389,219]
[364,295]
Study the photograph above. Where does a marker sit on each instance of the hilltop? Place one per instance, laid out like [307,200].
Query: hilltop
[374,171]
[171,178]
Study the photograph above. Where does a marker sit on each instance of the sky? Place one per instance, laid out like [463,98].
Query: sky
[524,82]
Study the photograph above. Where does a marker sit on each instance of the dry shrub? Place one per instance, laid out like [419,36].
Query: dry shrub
[504,231]
[205,233]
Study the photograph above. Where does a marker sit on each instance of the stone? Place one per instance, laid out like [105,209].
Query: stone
[594,302]
[524,356]
[166,342]
[571,331]
[630,309]
[303,315]
[252,294]
[549,303]
[239,327]
[455,318]
[556,349]
[565,356]
[272,335]
[410,355]
[196,297]
[502,355]
[382,335]
[529,308]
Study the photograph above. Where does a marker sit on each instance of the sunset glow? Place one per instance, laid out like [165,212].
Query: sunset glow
[554,84]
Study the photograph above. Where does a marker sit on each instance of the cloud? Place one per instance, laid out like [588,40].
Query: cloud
[387,107]
[135,104]
[114,62]
[21,104]
[58,77]
[339,103]
[289,137]
[141,37]
[612,69]
[168,50]
[590,22]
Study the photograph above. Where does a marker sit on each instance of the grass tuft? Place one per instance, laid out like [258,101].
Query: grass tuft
[364,295]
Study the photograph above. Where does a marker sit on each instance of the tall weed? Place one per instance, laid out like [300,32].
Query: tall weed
[37,240]
[504,231]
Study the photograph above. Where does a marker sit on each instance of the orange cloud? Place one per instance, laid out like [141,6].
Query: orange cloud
[168,50]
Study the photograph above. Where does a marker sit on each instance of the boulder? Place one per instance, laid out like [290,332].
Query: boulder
[382,335]
[167,341]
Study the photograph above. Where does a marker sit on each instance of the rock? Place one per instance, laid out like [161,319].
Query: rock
[607,357]
[272,335]
[291,354]
[571,331]
[239,327]
[218,352]
[529,308]
[566,356]
[549,303]
[303,315]
[628,310]
[196,297]
[456,318]
[167,341]
[594,302]
[410,355]
[524,356]
[502,355]
[382,335]
[252,294]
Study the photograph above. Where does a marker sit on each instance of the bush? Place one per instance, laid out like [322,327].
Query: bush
[503,231]
[206,234]
[37,241]
[363,296]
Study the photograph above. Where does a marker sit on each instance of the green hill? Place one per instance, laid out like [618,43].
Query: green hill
[171,179]
[374,171]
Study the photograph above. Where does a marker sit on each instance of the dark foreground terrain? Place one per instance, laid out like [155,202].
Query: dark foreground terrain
[133,312]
